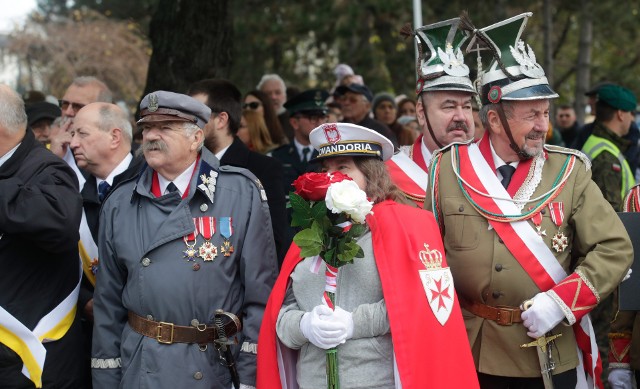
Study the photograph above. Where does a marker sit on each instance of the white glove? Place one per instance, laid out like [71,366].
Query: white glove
[628,275]
[620,378]
[344,317]
[322,331]
[543,315]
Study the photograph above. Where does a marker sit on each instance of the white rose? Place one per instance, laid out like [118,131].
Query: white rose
[346,196]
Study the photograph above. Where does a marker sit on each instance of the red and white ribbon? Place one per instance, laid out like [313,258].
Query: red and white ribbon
[206,226]
[557,213]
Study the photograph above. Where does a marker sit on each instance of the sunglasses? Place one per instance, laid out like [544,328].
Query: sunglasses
[252,105]
[64,104]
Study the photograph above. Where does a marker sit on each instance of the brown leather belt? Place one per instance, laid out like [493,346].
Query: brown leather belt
[168,333]
[503,315]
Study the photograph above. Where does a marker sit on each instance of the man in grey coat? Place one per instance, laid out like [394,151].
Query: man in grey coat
[185,238]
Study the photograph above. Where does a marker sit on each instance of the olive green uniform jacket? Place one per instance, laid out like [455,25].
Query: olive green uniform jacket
[485,271]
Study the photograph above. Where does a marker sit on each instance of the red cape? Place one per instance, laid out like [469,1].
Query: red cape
[428,354]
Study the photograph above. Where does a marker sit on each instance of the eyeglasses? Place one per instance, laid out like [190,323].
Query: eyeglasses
[252,105]
[64,104]
[353,99]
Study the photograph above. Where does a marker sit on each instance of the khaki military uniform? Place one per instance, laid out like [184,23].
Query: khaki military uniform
[486,272]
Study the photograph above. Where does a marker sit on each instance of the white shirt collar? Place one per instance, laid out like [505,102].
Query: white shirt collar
[8,155]
[300,146]
[497,161]
[220,153]
[181,182]
[122,166]
[426,154]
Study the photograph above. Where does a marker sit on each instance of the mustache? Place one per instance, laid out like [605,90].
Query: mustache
[458,126]
[152,146]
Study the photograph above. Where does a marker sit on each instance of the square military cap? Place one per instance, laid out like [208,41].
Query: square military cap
[312,101]
[163,106]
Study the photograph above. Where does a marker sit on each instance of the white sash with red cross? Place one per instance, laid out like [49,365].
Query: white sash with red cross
[524,243]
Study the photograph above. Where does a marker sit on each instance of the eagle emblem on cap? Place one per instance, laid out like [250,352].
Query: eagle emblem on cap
[331,133]
[153,103]
[453,61]
[526,58]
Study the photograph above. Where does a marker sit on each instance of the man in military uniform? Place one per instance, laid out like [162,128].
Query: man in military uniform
[517,222]
[606,145]
[185,238]
[307,110]
[224,99]
[443,109]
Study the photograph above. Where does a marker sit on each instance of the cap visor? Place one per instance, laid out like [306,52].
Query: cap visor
[535,92]
[161,118]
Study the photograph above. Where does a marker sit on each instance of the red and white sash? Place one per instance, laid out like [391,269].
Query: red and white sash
[408,175]
[524,244]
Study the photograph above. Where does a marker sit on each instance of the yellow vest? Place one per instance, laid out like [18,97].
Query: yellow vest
[596,145]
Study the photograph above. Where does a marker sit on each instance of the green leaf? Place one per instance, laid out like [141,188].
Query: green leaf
[310,251]
[357,230]
[360,253]
[350,251]
[309,240]
[301,211]
[319,211]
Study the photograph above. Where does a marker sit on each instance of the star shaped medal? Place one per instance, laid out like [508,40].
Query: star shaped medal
[537,221]
[226,230]
[559,242]
[190,253]
[207,227]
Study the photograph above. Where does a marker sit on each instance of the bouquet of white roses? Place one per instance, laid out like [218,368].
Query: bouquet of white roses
[331,210]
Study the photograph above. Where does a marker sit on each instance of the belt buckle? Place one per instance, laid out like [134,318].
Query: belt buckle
[159,332]
[505,316]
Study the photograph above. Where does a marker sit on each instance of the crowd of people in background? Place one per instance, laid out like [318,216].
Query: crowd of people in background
[245,149]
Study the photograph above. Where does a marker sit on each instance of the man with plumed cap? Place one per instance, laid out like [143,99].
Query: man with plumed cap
[187,261]
[443,107]
[606,146]
[517,222]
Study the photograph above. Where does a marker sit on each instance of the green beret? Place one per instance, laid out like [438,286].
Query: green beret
[617,97]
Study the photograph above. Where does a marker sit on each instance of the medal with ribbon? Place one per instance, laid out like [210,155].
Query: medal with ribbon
[559,242]
[190,253]
[536,219]
[226,230]
[207,227]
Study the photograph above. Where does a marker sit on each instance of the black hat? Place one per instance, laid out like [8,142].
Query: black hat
[309,101]
[41,110]
[163,106]
[355,88]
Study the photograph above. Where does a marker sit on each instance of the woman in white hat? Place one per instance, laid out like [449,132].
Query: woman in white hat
[396,320]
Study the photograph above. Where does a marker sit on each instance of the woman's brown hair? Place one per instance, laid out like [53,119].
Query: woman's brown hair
[379,185]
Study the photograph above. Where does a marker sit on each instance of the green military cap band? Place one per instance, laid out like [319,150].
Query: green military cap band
[617,97]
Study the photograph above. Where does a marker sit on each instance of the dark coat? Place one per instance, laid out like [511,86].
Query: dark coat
[293,167]
[269,171]
[40,211]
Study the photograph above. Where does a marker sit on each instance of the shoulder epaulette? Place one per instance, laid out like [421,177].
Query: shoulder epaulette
[447,147]
[566,150]
[249,175]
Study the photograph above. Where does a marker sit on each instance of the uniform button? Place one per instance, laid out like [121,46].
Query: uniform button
[496,294]
[500,240]
[204,207]
[195,323]
[149,317]
[543,211]
[498,267]
[461,209]
[197,375]
[196,266]
[146,262]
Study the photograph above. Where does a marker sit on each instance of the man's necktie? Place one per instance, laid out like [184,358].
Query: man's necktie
[305,154]
[171,188]
[103,190]
[507,172]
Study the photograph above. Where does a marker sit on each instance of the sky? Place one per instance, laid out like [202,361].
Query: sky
[14,11]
